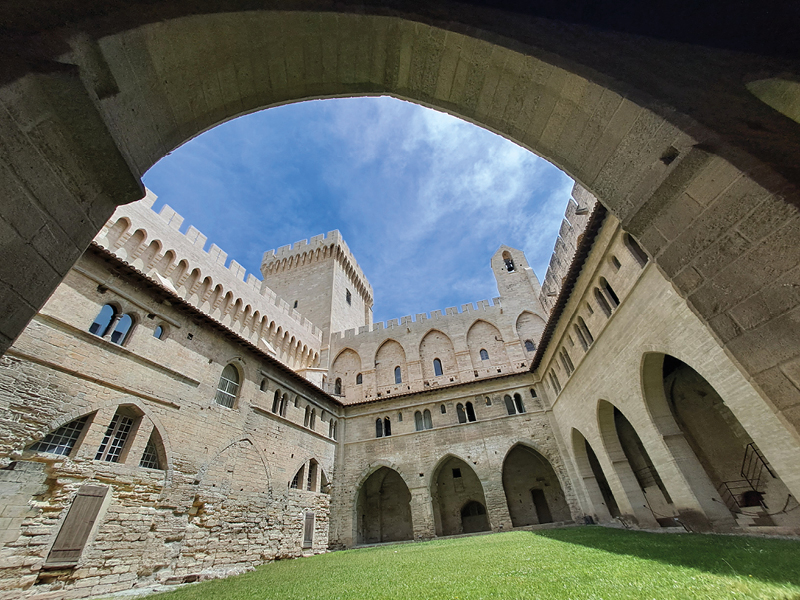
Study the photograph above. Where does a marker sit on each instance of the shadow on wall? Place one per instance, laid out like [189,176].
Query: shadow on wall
[720,555]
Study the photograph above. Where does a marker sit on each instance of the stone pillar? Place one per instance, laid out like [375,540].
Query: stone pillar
[422,514]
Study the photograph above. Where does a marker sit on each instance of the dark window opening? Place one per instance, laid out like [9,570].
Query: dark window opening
[509,262]
[470,413]
[437,367]
[359,379]
[378,427]
[484,355]
[601,300]
[398,375]
[337,387]
[529,346]
[587,334]
[387,427]
[518,403]
[456,473]
[462,416]
[635,249]
[349,297]
[427,420]
[509,405]
[295,304]
[443,409]
[609,292]
[418,421]
[276,401]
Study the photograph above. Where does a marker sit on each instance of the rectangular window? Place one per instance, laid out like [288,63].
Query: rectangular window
[308,530]
[114,440]
[77,526]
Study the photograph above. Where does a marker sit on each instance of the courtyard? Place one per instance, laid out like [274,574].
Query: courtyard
[576,563]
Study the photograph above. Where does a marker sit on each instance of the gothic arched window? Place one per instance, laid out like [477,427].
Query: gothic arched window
[398,375]
[228,387]
[437,367]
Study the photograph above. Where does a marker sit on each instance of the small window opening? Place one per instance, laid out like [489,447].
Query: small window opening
[456,473]
[263,386]
[378,427]
[400,417]
[276,400]
[509,262]
[470,413]
[635,249]
[437,367]
[158,333]
[359,379]
[484,354]
[488,401]
[581,339]
[427,421]
[418,424]
[298,479]
[398,375]
[587,334]
[518,403]
[529,346]
[104,320]
[337,387]
[612,297]
[533,393]
[387,427]
[601,300]
[228,387]
[349,297]
[123,330]
[510,408]
[615,262]
[295,304]
[462,416]
[307,416]
[443,409]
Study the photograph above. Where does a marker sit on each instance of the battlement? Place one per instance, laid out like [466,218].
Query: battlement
[422,321]
[153,243]
[319,247]
[576,216]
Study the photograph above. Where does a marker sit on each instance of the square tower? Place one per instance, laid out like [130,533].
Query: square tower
[321,280]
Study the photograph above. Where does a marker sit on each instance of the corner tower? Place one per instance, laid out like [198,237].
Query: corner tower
[321,279]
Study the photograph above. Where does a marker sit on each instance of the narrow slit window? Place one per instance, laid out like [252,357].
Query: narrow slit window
[510,409]
[387,427]
[418,424]
[635,249]
[471,413]
[586,332]
[601,300]
[349,297]
[398,375]
[462,416]
[437,367]
[612,296]
[337,387]
[518,403]
[378,427]
[443,409]
[427,421]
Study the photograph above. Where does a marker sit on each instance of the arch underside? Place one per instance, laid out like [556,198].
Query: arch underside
[676,167]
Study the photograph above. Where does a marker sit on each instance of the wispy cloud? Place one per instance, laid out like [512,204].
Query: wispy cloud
[422,198]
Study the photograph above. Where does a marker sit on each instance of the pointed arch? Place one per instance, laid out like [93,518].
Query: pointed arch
[436,345]
[449,499]
[389,356]
[533,490]
[485,337]
[529,329]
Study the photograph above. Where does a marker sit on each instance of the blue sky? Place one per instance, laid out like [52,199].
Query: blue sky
[422,198]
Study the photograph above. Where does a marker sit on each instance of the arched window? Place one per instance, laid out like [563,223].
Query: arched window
[484,354]
[586,332]
[443,409]
[529,346]
[283,405]
[307,416]
[426,419]
[62,440]
[635,249]
[263,385]
[276,401]
[566,361]
[337,387]
[615,262]
[437,367]
[509,262]
[488,401]
[612,297]
[158,333]
[378,427]
[470,413]
[581,339]
[387,427]
[312,421]
[601,300]
[349,297]
[462,416]
[554,382]
[533,393]
[418,424]
[116,436]
[123,330]
[228,387]
[151,457]
[509,405]
[398,375]
[103,321]
[359,379]
[518,403]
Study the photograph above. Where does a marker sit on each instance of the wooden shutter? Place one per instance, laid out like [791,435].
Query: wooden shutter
[308,530]
[77,526]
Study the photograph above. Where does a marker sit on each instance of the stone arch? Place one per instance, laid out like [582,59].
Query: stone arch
[533,489]
[437,345]
[454,484]
[116,231]
[130,248]
[383,507]
[600,495]
[240,453]
[347,365]
[390,354]
[529,326]
[483,335]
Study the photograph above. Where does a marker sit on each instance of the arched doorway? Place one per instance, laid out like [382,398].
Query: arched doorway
[459,505]
[735,466]
[600,494]
[635,469]
[383,508]
[533,491]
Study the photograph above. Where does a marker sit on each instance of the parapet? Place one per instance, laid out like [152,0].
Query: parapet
[330,245]
[579,208]
[423,321]
[153,243]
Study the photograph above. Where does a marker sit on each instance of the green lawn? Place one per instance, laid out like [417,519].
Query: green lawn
[586,562]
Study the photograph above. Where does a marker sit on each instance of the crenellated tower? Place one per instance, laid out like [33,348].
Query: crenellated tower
[322,280]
